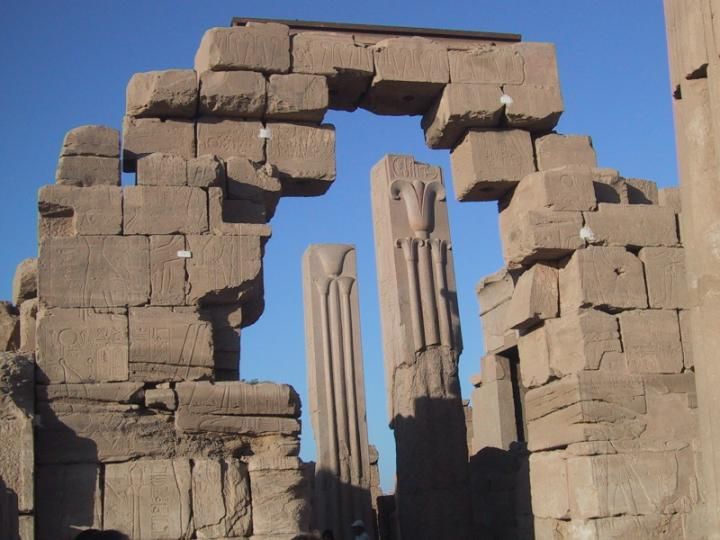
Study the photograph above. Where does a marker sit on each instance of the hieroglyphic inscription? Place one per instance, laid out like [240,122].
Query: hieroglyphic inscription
[300,151]
[411,59]
[167,271]
[185,420]
[82,345]
[70,211]
[324,54]
[149,499]
[239,398]
[221,498]
[164,210]
[94,271]
[262,47]
[490,65]
[230,138]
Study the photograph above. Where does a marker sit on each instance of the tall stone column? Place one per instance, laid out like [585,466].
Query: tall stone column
[422,342]
[336,387]
[693,53]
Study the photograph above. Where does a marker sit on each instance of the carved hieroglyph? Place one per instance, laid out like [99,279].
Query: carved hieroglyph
[422,343]
[337,389]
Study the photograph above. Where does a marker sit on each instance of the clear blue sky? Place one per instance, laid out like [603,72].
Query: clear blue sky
[67,63]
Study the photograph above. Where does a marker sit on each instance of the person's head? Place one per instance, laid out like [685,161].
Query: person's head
[357,527]
[327,534]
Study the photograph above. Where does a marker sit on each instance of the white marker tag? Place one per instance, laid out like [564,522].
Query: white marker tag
[184,254]
[587,234]
[506,100]
[264,133]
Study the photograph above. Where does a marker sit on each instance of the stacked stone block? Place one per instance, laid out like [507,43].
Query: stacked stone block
[594,314]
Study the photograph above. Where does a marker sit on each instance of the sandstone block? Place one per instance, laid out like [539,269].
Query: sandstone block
[496,332]
[236,217]
[564,190]
[69,500]
[257,47]
[76,211]
[28,316]
[410,73]
[487,65]
[535,369]
[228,137]
[160,398]
[9,327]
[685,329]
[94,271]
[225,269]
[641,191]
[158,169]
[665,277]
[347,65]
[16,429]
[279,496]
[670,197]
[493,424]
[88,171]
[167,271]
[486,164]
[155,210]
[186,421]
[170,93]
[232,93]
[535,297]
[548,482]
[247,182]
[221,499]
[459,108]
[651,339]
[539,235]
[304,157]
[609,186]
[89,432]
[82,345]
[555,150]
[100,141]
[239,398]
[142,136]
[495,289]
[535,102]
[205,171]
[607,277]
[297,97]
[24,286]
[632,225]
[149,499]
[169,345]
[495,368]
[121,392]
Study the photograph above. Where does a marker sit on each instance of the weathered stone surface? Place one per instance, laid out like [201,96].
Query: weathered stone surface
[79,211]
[487,164]
[670,197]
[555,150]
[539,235]
[24,286]
[687,346]
[665,277]
[614,528]
[91,141]
[169,345]
[100,432]
[651,340]
[121,392]
[247,182]
[225,269]
[236,217]
[226,138]
[88,171]
[256,47]
[167,270]
[549,469]
[495,289]
[639,483]
[160,398]
[149,499]
[205,171]
[304,157]
[632,225]
[496,332]
[16,430]
[69,500]
[347,65]
[563,189]
[280,494]
[232,93]
[221,498]
[460,107]
[164,210]
[170,93]
[410,73]
[28,317]
[602,277]
[534,353]
[641,191]
[9,327]
[142,136]
[609,186]
[535,297]
[493,421]
[94,271]
[158,169]
[297,97]
[187,421]
[239,398]
[82,345]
